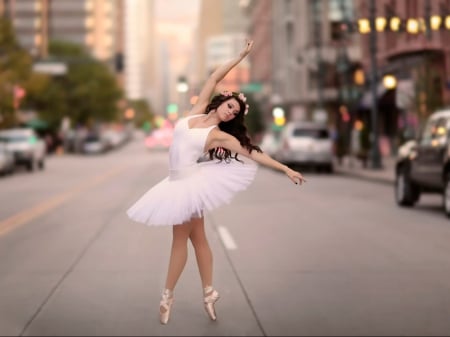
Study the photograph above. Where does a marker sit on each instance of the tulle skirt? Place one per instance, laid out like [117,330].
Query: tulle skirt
[187,192]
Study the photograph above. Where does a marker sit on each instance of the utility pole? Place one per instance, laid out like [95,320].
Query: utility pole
[375,150]
[427,19]
[45,24]
[318,44]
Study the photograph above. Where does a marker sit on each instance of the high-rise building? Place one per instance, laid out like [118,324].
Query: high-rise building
[305,55]
[90,23]
[139,46]
[118,32]
[220,36]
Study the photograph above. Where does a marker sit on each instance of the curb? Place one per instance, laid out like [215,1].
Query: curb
[355,175]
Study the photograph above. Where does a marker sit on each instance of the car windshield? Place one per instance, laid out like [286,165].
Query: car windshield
[13,139]
[92,139]
[311,133]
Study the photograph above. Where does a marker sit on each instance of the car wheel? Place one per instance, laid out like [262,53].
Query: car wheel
[30,166]
[406,192]
[447,195]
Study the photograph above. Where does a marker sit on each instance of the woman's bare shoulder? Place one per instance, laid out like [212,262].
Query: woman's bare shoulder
[217,134]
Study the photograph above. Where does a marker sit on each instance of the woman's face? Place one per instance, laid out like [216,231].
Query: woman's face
[228,110]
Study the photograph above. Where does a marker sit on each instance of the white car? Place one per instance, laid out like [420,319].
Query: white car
[6,160]
[307,144]
[94,144]
[26,147]
[269,144]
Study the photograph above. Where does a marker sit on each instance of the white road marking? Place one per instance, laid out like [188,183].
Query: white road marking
[226,238]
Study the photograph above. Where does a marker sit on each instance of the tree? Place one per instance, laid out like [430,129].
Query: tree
[143,113]
[92,91]
[15,69]
[46,97]
[86,94]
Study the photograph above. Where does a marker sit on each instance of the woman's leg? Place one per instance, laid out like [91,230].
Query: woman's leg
[178,258]
[205,265]
[179,252]
[202,251]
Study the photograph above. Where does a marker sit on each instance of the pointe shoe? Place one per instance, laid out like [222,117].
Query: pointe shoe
[211,297]
[165,305]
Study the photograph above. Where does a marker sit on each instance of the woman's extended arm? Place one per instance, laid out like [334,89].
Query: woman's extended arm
[219,138]
[215,78]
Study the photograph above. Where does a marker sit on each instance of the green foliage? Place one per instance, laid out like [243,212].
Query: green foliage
[91,91]
[144,115]
[15,69]
[87,93]
[47,97]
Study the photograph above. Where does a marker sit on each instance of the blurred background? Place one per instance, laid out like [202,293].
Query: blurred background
[90,91]
[92,71]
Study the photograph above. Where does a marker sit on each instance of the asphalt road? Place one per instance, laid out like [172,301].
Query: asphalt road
[333,257]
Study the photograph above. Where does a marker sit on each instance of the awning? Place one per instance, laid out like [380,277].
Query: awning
[37,124]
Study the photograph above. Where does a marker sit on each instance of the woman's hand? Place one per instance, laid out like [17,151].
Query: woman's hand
[295,176]
[248,47]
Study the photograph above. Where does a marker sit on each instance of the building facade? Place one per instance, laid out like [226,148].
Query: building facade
[304,57]
[415,55]
[117,32]
[220,36]
[86,22]
[260,28]
[139,44]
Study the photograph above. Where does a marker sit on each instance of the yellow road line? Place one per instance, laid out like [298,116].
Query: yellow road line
[47,205]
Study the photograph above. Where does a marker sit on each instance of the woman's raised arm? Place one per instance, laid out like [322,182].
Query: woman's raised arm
[215,78]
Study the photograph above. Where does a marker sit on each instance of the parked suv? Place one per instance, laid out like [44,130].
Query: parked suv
[423,165]
[306,143]
[28,149]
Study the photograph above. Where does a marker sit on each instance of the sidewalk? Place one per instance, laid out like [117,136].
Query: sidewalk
[352,167]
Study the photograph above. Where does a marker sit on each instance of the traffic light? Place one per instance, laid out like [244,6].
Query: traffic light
[172,111]
[278,116]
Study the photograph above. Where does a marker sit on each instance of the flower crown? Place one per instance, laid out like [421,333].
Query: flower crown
[240,95]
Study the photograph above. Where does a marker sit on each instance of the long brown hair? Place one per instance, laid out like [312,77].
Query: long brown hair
[235,127]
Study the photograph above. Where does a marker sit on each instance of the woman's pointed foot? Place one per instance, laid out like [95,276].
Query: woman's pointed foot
[211,296]
[165,306]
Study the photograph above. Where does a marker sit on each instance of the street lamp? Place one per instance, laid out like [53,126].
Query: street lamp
[182,89]
[317,28]
[389,81]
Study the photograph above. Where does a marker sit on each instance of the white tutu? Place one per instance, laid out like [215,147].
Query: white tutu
[187,193]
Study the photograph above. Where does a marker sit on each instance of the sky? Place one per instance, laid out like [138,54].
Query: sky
[176,23]
[176,9]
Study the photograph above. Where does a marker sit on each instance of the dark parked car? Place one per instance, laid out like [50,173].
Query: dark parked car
[423,165]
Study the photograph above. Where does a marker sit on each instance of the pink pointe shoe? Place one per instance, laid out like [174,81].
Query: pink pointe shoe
[211,297]
[165,305]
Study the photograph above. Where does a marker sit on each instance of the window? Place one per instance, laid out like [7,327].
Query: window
[435,133]
[440,133]
[340,15]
